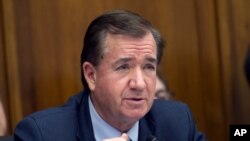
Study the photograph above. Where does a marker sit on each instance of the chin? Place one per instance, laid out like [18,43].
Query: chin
[137,114]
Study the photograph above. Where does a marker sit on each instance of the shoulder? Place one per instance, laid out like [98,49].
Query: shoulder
[173,120]
[60,112]
[170,112]
[54,121]
[165,107]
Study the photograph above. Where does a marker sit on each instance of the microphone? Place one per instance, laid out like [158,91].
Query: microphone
[152,138]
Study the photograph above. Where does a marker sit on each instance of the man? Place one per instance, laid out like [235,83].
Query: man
[118,62]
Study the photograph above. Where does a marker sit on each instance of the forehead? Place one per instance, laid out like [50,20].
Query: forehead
[118,42]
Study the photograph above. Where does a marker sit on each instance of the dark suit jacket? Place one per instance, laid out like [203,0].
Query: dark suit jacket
[6,138]
[167,121]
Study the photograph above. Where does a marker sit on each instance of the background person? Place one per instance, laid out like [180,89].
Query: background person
[162,90]
[3,122]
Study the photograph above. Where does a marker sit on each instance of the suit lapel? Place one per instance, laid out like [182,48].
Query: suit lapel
[85,128]
[146,128]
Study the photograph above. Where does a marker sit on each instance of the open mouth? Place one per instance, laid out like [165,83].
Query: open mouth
[136,99]
[135,103]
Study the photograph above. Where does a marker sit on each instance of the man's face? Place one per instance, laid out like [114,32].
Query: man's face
[125,78]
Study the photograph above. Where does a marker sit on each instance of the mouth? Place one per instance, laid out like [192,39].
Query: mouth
[135,101]
[136,98]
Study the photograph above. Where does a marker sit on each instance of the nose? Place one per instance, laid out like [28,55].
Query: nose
[137,81]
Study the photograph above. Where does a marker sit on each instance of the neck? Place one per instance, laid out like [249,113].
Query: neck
[120,123]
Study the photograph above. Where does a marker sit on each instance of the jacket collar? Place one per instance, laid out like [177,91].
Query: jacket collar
[85,129]
[146,128]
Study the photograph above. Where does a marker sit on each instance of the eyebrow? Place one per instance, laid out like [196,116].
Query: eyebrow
[128,59]
[122,60]
[151,59]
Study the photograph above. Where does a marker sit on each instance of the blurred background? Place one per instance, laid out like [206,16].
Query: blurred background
[41,42]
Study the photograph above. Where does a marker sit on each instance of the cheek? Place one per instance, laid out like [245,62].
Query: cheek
[151,84]
[110,88]
[151,90]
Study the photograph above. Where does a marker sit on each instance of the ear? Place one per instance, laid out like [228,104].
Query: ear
[89,74]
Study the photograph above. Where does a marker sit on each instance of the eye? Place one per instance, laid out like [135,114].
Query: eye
[149,67]
[123,67]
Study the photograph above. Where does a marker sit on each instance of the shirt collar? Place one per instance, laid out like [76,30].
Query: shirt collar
[102,130]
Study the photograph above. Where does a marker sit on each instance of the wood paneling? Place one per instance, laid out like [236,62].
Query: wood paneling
[240,35]
[11,64]
[3,79]
[202,62]
[210,76]
[234,35]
